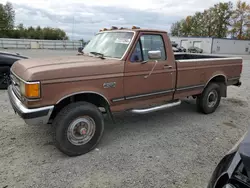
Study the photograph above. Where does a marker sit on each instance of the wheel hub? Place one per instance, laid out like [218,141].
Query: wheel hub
[212,98]
[81,130]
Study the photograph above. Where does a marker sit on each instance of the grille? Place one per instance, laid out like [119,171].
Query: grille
[15,82]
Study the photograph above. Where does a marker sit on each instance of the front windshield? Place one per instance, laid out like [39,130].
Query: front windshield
[110,44]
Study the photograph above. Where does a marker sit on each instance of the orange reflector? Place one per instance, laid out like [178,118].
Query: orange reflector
[134,27]
[32,90]
[114,27]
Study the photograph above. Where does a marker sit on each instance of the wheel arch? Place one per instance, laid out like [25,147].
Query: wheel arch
[83,93]
[92,97]
[221,79]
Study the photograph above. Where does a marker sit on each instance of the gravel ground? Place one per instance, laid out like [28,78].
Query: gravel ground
[172,148]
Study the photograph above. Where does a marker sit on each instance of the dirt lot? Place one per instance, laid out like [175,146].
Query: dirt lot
[173,148]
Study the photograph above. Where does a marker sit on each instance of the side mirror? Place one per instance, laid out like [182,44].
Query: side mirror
[154,54]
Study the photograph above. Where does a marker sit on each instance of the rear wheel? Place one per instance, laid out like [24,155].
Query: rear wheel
[209,100]
[78,128]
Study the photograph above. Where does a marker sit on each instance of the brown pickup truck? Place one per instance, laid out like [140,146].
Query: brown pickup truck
[119,70]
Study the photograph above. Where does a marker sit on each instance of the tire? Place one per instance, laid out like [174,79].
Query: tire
[209,100]
[4,77]
[69,135]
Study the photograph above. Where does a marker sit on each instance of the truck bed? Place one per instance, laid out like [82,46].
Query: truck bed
[194,71]
[188,56]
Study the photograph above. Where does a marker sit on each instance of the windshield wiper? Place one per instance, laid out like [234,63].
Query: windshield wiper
[98,54]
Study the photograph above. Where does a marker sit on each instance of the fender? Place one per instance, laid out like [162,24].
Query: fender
[83,92]
[214,76]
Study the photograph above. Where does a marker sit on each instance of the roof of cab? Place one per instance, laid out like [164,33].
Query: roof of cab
[136,30]
[149,30]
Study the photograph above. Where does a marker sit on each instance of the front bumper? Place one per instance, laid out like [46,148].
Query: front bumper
[36,116]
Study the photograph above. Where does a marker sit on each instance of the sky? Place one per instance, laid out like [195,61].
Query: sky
[81,19]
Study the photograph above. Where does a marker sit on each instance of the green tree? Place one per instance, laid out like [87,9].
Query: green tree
[8,29]
[22,31]
[186,26]
[2,20]
[240,19]
[38,33]
[10,16]
[7,16]
[217,21]
[176,29]
[208,23]
[197,24]
[222,13]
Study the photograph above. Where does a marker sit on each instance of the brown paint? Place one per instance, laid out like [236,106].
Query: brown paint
[64,76]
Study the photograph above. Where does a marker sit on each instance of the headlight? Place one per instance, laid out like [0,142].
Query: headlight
[30,90]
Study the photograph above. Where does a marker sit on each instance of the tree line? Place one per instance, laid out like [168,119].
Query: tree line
[8,29]
[221,20]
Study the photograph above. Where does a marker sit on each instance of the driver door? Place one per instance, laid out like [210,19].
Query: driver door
[137,82]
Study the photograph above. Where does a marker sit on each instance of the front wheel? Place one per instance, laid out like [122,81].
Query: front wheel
[78,128]
[209,100]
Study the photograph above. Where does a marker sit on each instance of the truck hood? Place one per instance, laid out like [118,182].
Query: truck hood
[41,69]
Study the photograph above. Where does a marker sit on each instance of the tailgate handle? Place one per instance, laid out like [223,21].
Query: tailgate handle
[168,67]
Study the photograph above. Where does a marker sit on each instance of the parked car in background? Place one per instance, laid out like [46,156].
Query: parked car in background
[233,171]
[6,61]
[194,49]
[176,49]
[174,44]
[183,49]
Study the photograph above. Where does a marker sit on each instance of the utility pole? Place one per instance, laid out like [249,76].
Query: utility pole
[73,28]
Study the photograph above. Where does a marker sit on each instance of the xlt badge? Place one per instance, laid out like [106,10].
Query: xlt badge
[109,85]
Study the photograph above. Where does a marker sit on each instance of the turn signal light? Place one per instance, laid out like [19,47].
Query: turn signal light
[32,90]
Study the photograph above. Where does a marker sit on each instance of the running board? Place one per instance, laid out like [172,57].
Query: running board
[156,108]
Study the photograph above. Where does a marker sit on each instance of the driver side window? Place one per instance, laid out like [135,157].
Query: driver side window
[137,54]
[145,44]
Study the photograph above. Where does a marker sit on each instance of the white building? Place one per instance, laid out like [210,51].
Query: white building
[229,46]
[215,45]
[186,42]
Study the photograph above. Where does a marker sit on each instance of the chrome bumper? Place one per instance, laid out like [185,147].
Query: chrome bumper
[36,116]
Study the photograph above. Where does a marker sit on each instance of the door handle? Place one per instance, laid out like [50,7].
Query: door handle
[168,67]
